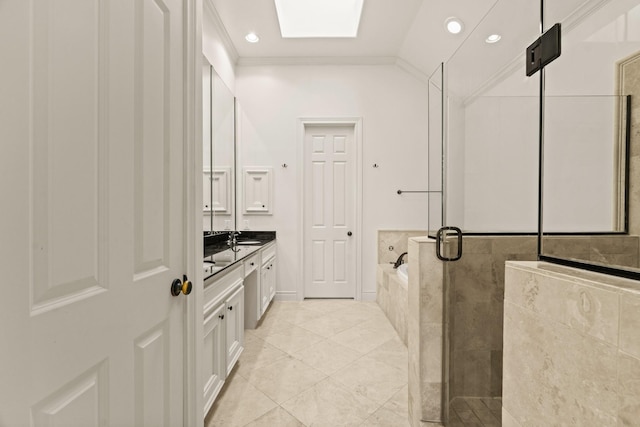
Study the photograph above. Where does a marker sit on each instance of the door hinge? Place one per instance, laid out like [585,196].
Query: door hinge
[544,50]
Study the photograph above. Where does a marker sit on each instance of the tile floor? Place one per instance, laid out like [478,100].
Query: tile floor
[475,411]
[312,363]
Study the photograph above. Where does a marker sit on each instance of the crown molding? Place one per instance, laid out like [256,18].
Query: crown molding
[211,11]
[412,70]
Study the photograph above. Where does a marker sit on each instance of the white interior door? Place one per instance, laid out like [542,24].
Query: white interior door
[92,223]
[329,212]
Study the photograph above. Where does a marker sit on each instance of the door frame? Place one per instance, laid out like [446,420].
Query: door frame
[193,396]
[302,150]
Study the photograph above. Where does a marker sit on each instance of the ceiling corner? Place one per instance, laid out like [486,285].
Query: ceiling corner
[212,12]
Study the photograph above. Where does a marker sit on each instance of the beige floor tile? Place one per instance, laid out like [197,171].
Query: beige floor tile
[257,353]
[357,316]
[299,315]
[386,418]
[277,417]
[327,404]
[284,378]
[231,409]
[399,402]
[371,378]
[271,325]
[392,352]
[329,305]
[328,325]
[364,338]
[293,340]
[327,356]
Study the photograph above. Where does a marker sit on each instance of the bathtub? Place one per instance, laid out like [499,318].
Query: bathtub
[403,272]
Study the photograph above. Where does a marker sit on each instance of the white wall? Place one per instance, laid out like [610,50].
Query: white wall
[393,108]
[216,49]
[494,137]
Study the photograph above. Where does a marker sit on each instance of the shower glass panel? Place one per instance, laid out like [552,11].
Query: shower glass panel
[491,111]
[435,150]
[589,94]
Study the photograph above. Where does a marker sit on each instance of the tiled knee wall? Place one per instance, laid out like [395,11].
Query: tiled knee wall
[571,347]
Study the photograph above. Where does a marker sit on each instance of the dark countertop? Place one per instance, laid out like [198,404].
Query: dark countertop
[219,256]
[215,243]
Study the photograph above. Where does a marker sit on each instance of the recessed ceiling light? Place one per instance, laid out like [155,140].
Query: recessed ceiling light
[454,25]
[493,38]
[252,38]
[319,18]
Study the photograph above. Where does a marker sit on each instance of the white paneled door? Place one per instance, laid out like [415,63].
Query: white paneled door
[329,211]
[93,213]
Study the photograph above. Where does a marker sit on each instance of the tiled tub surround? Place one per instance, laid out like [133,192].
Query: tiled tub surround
[391,296]
[571,347]
[393,243]
[391,291]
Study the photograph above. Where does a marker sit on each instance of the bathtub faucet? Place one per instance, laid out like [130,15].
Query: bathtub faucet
[399,261]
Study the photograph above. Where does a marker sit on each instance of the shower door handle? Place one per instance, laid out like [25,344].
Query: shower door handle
[446,232]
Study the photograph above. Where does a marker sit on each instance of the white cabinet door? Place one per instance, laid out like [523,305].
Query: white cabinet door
[258,197]
[267,282]
[272,279]
[234,319]
[264,288]
[92,139]
[214,361]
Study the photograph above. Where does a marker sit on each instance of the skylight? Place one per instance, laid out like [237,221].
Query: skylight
[319,18]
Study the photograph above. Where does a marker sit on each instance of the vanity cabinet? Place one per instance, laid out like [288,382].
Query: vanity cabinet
[214,348]
[267,277]
[234,320]
[223,329]
[234,298]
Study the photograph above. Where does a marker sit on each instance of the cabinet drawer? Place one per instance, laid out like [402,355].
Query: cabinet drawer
[251,263]
[268,253]
[218,290]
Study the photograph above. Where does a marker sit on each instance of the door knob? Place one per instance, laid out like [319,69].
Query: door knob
[181,286]
[349,233]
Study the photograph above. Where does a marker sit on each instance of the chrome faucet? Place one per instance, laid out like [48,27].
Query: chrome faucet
[399,261]
[233,238]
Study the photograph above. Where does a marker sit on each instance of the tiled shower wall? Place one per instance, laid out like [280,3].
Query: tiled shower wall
[572,350]
[476,299]
[476,292]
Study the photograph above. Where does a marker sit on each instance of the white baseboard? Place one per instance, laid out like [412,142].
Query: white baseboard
[286,296]
[368,296]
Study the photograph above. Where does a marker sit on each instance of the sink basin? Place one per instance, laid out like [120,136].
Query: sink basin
[249,242]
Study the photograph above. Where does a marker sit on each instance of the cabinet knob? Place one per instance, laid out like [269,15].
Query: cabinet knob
[349,233]
[230,307]
[221,316]
[252,264]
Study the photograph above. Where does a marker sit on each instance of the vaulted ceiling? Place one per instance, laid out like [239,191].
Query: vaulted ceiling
[412,31]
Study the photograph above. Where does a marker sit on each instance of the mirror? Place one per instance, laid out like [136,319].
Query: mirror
[218,153]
